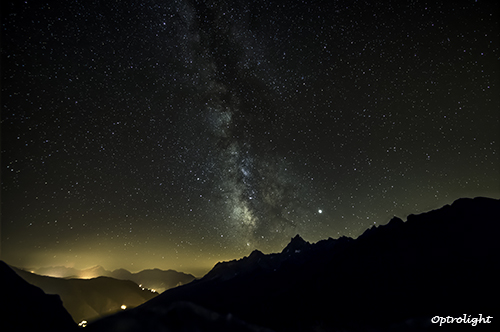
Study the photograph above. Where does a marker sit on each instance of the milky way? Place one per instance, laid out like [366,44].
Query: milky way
[174,134]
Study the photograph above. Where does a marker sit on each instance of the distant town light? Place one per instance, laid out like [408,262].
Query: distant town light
[83,323]
[123,307]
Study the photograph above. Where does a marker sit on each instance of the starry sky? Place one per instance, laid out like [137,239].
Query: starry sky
[176,134]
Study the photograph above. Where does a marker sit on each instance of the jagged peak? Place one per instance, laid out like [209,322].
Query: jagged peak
[296,244]
[396,220]
[256,253]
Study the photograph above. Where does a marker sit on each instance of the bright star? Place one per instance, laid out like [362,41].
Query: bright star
[320,211]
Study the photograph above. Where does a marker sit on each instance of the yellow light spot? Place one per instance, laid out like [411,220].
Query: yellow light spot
[83,323]
[123,307]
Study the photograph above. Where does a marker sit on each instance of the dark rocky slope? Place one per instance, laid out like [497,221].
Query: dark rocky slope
[27,308]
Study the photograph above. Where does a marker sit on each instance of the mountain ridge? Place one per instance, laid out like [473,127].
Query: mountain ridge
[406,263]
[157,279]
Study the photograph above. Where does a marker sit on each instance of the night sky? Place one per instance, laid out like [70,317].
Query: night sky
[175,134]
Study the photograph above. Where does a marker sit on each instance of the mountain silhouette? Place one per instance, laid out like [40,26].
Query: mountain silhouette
[159,280]
[395,277]
[88,299]
[27,308]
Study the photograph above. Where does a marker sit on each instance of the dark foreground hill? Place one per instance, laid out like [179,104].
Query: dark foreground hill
[396,277]
[88,299]
[25,307]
